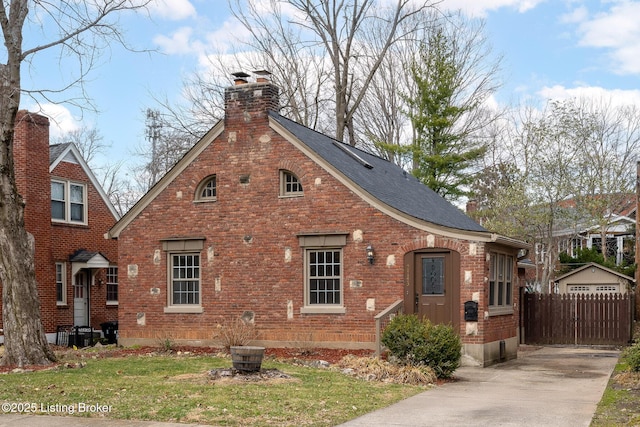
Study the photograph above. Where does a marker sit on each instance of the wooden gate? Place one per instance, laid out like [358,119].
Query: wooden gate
[605,319]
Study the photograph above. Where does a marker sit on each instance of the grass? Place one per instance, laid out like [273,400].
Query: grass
[620,403]
[178,388]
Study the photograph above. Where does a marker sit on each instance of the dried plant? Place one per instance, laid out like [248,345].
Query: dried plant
[235,332]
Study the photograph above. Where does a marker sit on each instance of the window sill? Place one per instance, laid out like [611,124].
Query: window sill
[290,196]
[500,311]
[62,305]
[205,200]
[69,223]
[322,310]
[185,309]
[112,303]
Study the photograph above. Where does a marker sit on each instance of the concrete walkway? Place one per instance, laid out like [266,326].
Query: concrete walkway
[549,386]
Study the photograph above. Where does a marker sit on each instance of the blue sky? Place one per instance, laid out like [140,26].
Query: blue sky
[551,49]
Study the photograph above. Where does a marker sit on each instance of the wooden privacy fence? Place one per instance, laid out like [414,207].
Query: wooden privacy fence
[580,319]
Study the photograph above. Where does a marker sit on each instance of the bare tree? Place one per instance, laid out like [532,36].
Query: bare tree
[88,140]
[78,30]
[90,143]
[355,37]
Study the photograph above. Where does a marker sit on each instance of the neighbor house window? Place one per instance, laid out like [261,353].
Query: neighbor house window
[61,283]
[207,190]
[112,285]
[290,184]
[68,202]
[500,283]
[323,275]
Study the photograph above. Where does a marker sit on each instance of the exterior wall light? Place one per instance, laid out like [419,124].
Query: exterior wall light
[370,255]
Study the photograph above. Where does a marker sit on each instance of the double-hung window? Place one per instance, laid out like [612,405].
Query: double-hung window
[61,283]
[185,279]
[68,202]
[323,275]
[184,274]
[112,285]
[500,283]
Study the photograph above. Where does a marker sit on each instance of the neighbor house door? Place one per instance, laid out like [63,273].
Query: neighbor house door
[81,299]
[436,293]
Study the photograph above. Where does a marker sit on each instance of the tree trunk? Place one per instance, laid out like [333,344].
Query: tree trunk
[24,338]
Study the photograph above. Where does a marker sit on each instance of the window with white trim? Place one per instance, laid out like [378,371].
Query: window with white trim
[500,282]
[61,283]
[68,202]
[112,285]
[290,185]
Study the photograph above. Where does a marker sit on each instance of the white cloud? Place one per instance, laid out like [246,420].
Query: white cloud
[174,10]
[577,15]
[61,120]
[618,97]
[480,8]
[179,42]
[618,31]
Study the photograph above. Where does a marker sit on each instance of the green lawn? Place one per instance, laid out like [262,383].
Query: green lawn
[178,388]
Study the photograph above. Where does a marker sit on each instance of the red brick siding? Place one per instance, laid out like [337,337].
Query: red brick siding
[67,239]
[55,242]
[254,275]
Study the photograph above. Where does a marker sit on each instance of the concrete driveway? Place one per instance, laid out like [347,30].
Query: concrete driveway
[548,386]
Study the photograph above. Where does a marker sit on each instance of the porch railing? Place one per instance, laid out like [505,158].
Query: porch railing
[382,320]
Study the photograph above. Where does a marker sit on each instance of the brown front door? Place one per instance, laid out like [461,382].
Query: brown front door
[436,288]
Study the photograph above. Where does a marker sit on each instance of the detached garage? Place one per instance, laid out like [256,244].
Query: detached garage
[593,278]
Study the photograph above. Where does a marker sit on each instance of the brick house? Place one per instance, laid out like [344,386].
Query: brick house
[308,238]
[68,213]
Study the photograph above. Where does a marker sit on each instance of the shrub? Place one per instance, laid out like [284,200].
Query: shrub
[235,332]
[419,342]
[632,356]
[405,335]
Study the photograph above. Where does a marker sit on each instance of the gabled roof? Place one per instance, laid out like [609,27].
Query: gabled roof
[69,152]
[382,184]
[383,180]
[594,265]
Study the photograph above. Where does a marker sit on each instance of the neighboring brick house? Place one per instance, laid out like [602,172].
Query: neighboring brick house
[68,213]
[309,238]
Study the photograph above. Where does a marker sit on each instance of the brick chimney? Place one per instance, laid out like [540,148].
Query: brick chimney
[247,101]
[31,159]
[31,165]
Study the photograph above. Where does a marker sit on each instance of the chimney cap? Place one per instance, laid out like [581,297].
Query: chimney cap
[240,75]
[262,72]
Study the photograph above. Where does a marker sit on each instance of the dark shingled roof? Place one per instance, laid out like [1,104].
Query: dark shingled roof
[56,150]
[382,179]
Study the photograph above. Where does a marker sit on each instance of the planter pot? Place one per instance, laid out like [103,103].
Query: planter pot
[247,358]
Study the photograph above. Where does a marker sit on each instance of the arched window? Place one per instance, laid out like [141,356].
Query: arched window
[289,184]
[207,189]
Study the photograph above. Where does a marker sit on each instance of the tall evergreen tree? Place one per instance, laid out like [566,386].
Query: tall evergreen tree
[442,150]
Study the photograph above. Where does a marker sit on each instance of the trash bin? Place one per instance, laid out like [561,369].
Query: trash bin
[110,331]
